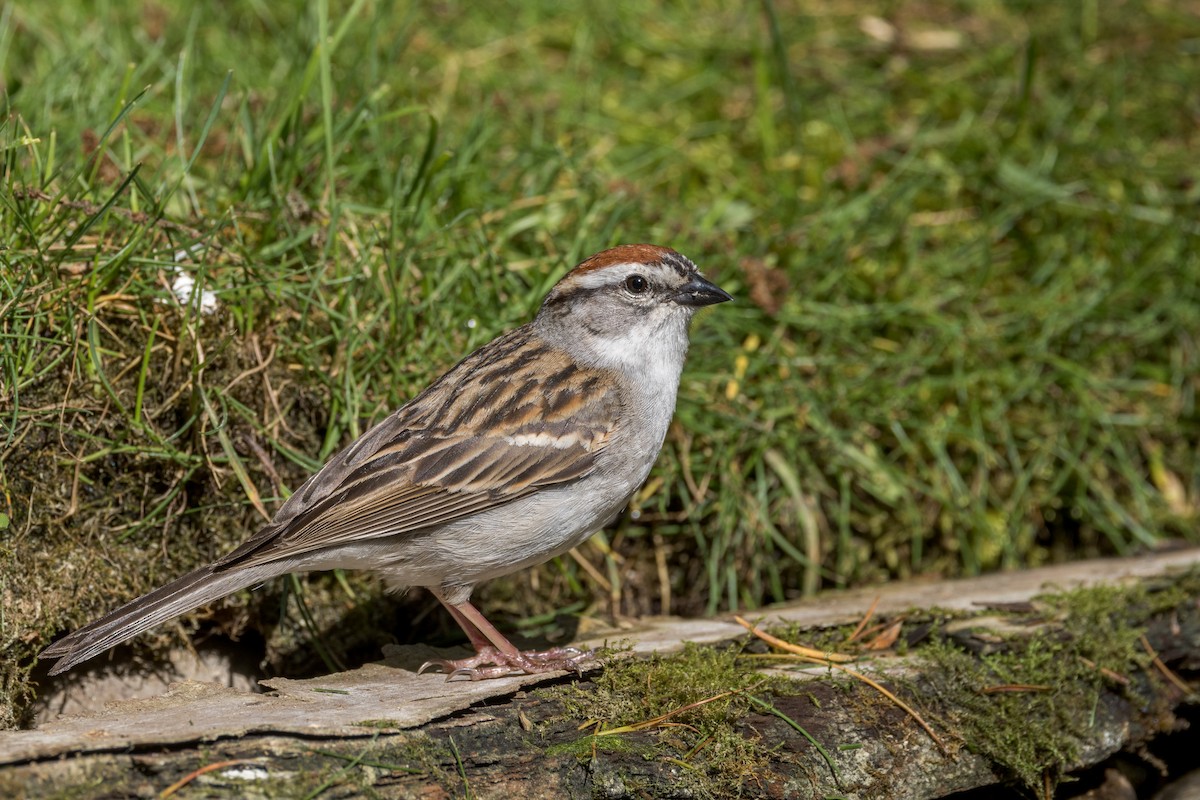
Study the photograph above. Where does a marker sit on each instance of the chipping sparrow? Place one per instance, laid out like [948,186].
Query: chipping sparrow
[517,454]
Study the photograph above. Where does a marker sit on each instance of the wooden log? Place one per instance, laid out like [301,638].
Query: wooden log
[822,733]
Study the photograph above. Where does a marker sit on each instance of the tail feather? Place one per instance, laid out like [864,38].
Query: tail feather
[191,591]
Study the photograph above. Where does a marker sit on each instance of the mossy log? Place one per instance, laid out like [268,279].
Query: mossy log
[384,730]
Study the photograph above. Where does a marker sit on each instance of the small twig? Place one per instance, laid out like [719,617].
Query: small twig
[1016,688]
[262,364]
[590,569]
[1167,672]
[191,776]
[816,656]
[664,574]
[269,391]
[908,709]
[264,459]
[863,622]
[661,718]
[1105,671]
[813,656]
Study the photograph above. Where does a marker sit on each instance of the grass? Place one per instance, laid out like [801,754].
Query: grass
[966,268]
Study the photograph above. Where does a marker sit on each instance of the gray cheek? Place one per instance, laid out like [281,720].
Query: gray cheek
[610,319]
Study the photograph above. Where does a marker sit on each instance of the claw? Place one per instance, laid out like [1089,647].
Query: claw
[492,663]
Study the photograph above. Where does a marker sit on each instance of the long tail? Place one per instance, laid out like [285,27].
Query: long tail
[193,590]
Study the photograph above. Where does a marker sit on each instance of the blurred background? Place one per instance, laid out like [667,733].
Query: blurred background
[962,237]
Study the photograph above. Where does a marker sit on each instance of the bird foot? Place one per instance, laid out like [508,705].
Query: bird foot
[489,662]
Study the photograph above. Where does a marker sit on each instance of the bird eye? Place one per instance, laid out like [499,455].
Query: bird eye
[636,284]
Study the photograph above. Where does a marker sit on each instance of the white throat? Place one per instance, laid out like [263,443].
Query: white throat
[648,354]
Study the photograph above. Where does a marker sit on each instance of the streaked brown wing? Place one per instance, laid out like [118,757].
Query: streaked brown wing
[493,429]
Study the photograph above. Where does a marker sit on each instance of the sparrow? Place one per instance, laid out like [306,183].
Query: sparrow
[517,454]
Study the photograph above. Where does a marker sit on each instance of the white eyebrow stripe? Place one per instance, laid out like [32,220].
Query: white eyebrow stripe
[603,276]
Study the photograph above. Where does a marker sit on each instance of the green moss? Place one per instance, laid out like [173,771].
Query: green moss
[704,738]
[639,689]
[585,747]
[1030,702]
[1024,689]
[380,724]
[1025,733]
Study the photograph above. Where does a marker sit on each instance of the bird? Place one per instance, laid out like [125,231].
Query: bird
[517,454]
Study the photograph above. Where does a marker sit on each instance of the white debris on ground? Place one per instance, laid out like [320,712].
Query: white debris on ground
[184,285]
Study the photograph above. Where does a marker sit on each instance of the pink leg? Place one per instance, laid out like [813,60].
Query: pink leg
[495,656]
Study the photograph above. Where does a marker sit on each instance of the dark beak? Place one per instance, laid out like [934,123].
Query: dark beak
[700,292]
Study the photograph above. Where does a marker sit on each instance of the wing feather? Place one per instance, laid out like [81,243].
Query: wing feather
[438,459]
